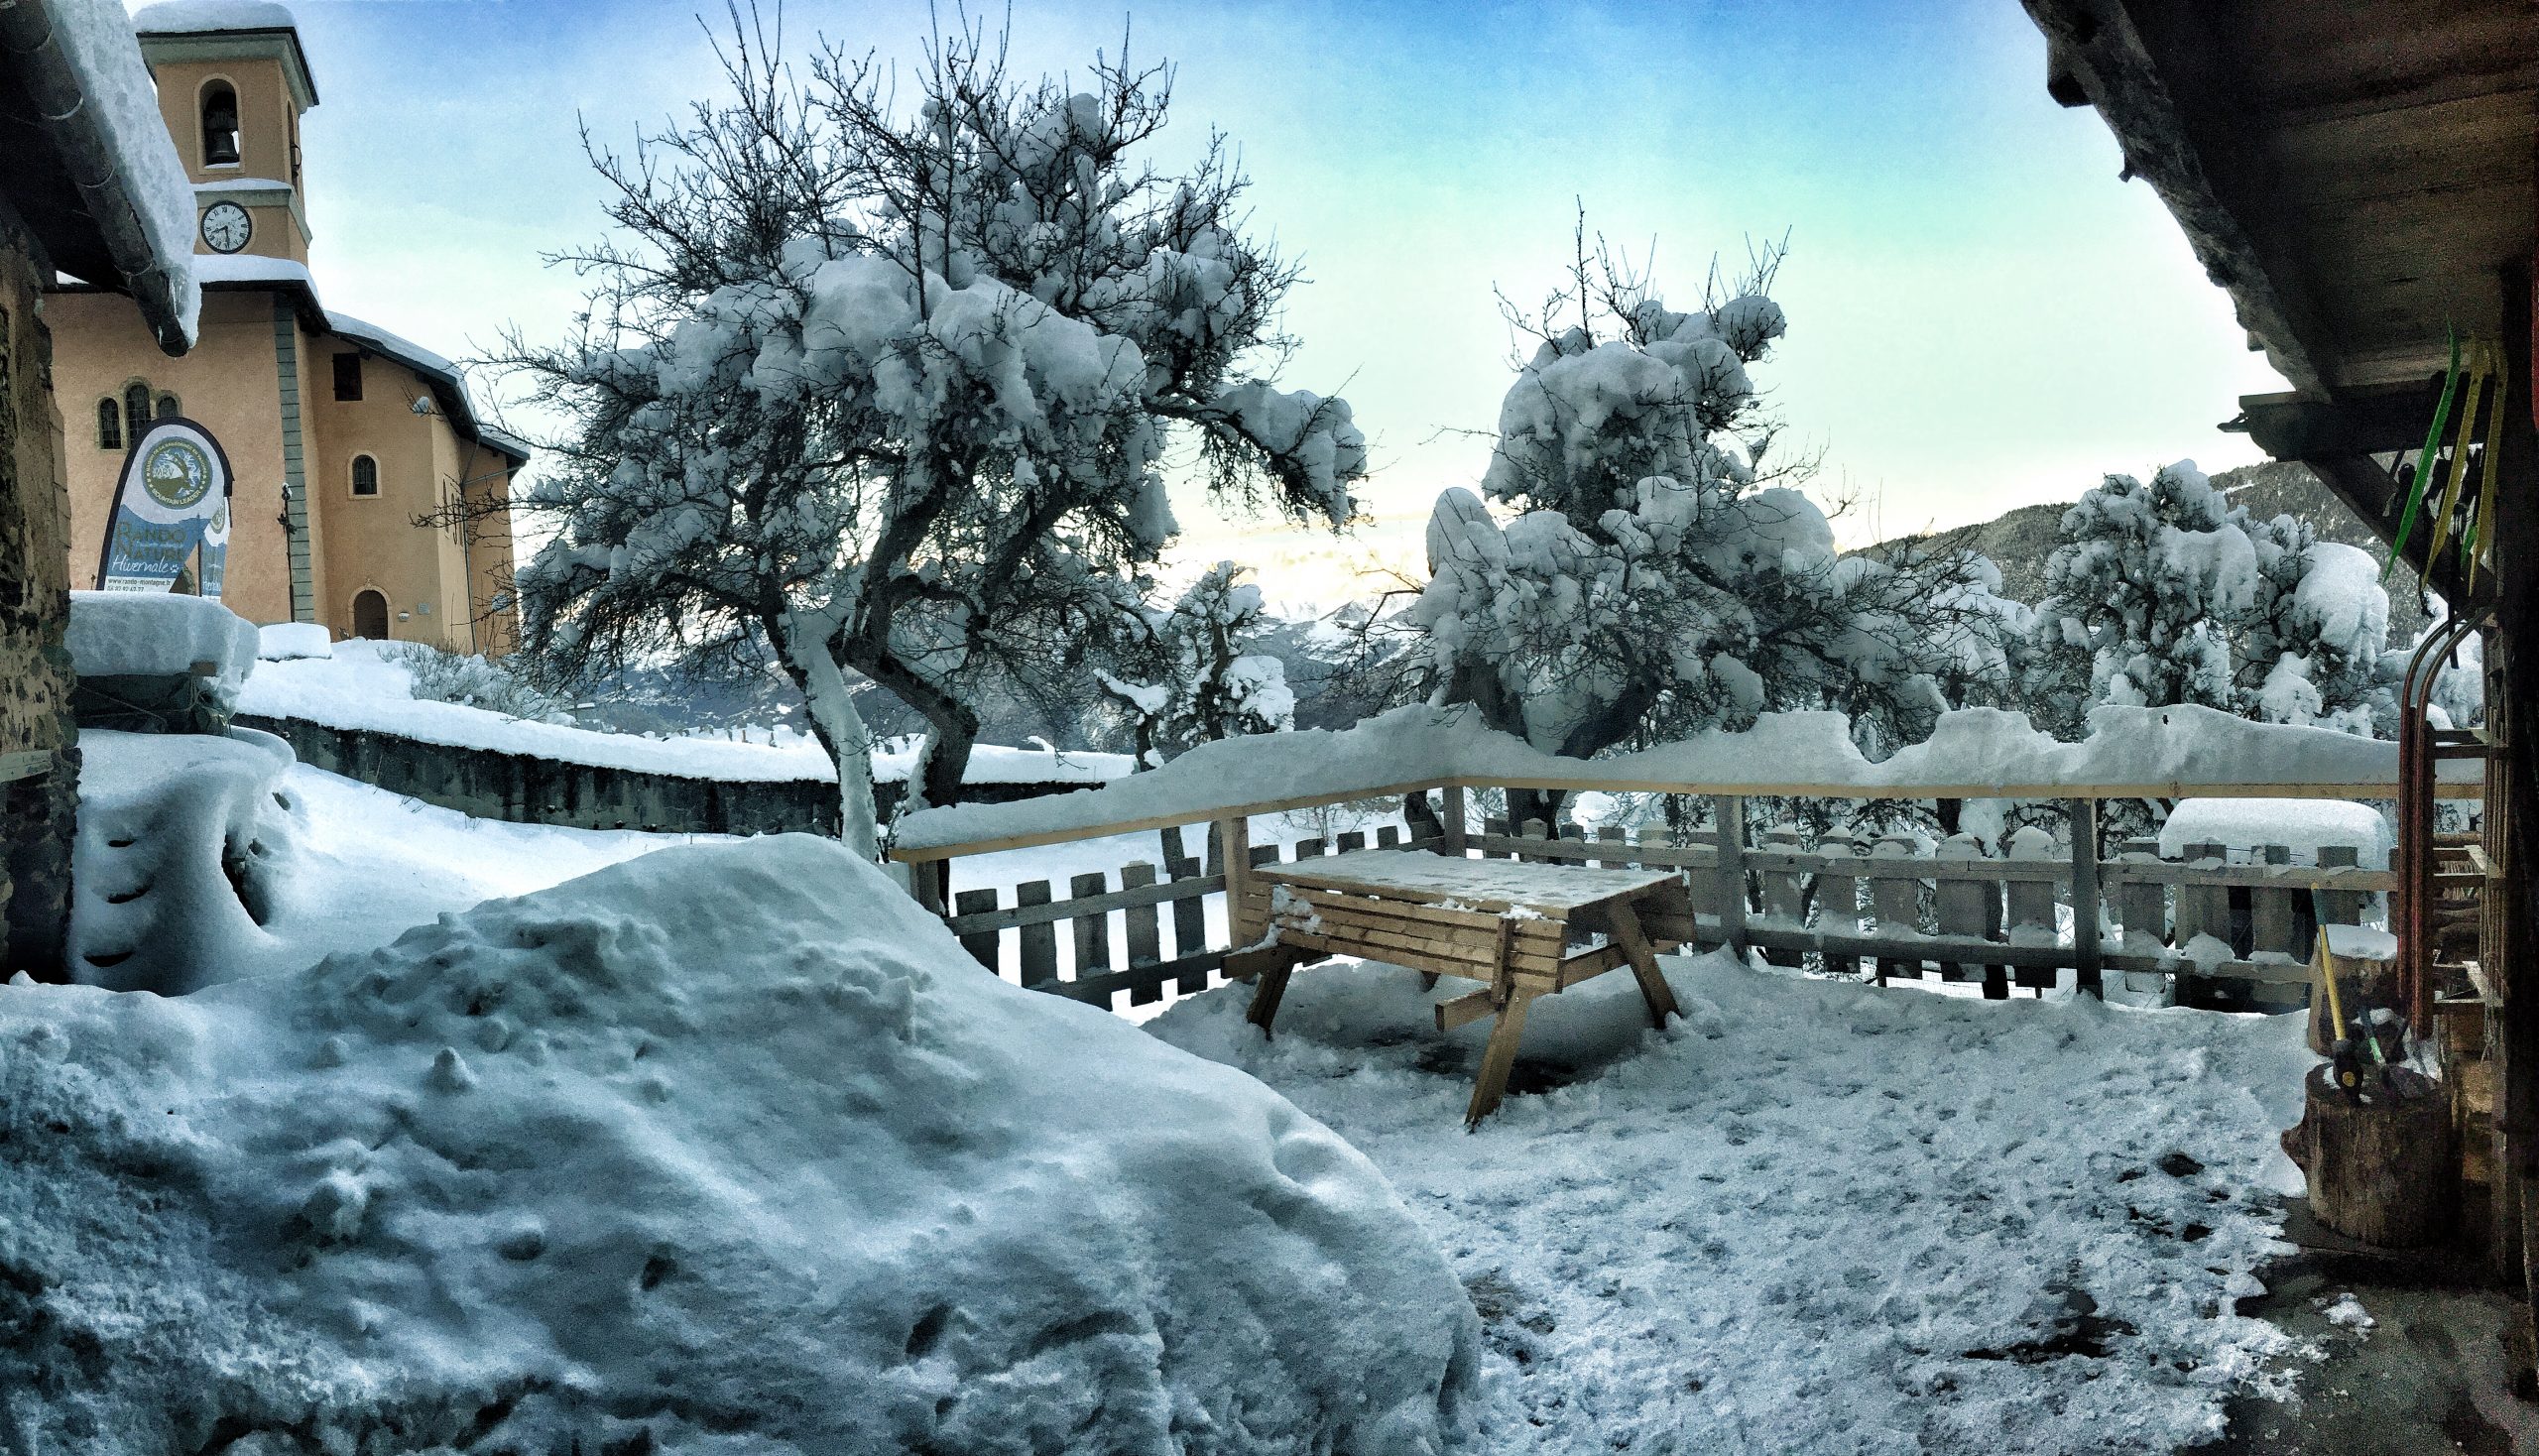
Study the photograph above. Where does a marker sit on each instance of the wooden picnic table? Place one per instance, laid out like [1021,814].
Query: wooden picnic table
[1506,923]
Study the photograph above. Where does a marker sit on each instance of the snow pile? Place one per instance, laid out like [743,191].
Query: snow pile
[184,852]
[1993,752]
[149,634]
[282,641]
[1818,1217]
[2299,824]
[96,37]
[726,1150]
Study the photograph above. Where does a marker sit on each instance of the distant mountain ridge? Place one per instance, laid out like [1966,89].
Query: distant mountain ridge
[2019,540]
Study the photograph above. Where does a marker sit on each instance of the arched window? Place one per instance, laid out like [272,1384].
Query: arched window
[365,476]
[136,408]
[219,125]
[370,615]
[109,424]
[170,407]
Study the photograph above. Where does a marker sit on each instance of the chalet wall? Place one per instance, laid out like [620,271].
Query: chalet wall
[38,747]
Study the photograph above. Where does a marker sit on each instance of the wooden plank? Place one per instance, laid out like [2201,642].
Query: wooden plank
[981,944]
[1099,990]
[2127,871]
[1195,889]
[1784,892]
[1232,839]
[1540,937]
[2275,918]
[1379,943]
[2341,906]
[1464,1009]
[2142,906]
[1092,930]
[25,763]
[1189,929]
[1347,904]
[1039,938]
[1351,841]
[1457,836]
[1496,1058]
[1819,861]
[1838,896]
[1972,908]
[1653,856]
[2087,952]
[1388,836]
[1322,946]
[1897,901]
[1146,938]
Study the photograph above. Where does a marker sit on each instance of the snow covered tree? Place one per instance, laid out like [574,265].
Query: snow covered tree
[1661,573]
[2165,593]
[889,392]
[1188,677]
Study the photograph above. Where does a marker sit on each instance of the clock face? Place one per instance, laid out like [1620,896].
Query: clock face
[226,226]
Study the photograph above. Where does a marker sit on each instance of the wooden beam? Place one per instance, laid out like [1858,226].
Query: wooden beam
[2390,420]
[2156,76]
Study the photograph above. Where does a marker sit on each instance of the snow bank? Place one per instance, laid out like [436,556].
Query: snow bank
[724,1149]
[97,40]
[1817,1217]
[148,633]
[1974,752]
[2300,824]
[356,688]
[281,642]
[185,851]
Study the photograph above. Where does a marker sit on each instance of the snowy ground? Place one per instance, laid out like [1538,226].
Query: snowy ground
[1818,1217]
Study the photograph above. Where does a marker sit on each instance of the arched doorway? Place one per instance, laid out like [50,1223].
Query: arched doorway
[370,615]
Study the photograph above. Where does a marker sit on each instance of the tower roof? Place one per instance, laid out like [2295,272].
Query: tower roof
[203,30]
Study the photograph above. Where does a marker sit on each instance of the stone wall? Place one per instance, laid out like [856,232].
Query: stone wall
[38,748]
[535,790]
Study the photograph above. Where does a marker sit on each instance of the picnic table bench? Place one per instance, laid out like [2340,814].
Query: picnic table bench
[1506,923]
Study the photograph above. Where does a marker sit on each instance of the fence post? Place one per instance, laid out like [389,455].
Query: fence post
[982,946]
[1234,838]
[2086,951]
[2204,913]
[1731,813]
[1897,901]
[2032,905]
[1784,895]
[1838,899]
[1969,907]
[1458,837]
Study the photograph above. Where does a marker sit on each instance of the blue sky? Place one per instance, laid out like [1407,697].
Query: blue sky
[1981,315]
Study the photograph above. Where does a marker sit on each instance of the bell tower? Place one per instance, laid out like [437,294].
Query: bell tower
[233,82]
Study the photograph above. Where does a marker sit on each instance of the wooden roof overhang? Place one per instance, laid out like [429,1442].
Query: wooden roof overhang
[2359,176]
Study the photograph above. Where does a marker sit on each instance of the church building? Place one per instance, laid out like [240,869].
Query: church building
[341,438]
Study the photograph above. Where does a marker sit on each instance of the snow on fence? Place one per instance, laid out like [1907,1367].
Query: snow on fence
[2233,926]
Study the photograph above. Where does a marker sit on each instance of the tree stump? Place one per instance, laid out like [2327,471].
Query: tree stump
[2380,1170]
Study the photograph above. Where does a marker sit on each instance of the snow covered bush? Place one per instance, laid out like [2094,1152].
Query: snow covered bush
[2165,593]
[889,391]
[473,681]
[1188,676]
[1657,576]
[724,1149]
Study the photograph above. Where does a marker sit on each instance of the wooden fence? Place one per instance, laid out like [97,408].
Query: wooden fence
[2236,932]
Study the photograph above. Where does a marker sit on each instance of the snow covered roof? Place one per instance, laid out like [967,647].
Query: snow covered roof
[183,29]
[86,161]
[449,385]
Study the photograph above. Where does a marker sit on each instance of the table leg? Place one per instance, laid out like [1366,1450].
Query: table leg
[1643,962]
[1269,988]
[1497,1057]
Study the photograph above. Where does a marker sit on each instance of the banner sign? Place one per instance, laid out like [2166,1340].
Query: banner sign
[176,483]
[216,553]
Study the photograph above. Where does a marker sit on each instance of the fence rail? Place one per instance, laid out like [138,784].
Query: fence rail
[2232,933]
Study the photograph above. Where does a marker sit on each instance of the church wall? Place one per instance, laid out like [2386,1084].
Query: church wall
[227,382]
[372,541]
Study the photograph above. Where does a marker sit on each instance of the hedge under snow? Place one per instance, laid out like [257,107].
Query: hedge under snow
[723,1149]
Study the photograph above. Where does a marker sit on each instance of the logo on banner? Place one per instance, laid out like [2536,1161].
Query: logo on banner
[173,499]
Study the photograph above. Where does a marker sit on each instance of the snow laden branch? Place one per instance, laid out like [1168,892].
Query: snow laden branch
[886,395]
[2166,593]
[1190,676]
[1638,572]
